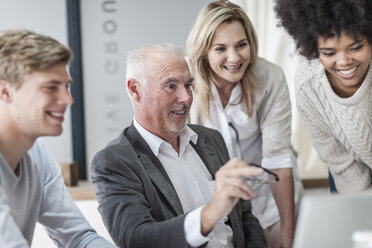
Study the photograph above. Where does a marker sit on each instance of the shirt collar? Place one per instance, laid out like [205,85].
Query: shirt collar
[155,142]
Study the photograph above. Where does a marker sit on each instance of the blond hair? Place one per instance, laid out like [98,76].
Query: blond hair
[23,51]
[199,42]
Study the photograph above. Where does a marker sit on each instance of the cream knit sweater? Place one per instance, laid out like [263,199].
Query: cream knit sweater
[340,128]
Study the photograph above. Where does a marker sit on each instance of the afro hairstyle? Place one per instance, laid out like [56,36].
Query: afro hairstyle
[306,20]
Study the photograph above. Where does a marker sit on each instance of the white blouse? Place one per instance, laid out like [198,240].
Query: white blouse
[264,137]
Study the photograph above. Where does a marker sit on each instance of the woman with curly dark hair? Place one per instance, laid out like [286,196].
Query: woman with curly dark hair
[334,86]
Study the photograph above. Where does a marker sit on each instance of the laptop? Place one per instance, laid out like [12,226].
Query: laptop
[327,221]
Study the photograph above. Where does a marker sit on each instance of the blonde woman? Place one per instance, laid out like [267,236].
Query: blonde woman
[233,85]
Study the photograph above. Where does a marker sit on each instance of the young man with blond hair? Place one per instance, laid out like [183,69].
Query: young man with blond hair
[34,95]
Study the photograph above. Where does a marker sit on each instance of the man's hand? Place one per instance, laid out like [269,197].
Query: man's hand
[229,188]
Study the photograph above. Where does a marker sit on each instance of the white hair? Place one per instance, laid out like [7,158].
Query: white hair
[138,59]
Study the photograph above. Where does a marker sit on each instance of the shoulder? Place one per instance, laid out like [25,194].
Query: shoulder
[120,143]
[270,83]
[307,75]
[114,154]
[269,76]
[265,68]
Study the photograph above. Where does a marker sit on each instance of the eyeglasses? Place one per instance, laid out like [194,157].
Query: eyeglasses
[261,179]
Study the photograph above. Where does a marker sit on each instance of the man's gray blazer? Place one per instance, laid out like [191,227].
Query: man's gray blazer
[138,203]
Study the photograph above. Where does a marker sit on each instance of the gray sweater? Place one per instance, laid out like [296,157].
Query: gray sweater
[340,128]
[38,194]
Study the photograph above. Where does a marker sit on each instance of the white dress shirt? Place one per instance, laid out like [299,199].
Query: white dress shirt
[193,184]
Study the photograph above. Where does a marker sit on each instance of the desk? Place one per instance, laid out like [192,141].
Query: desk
[84,191]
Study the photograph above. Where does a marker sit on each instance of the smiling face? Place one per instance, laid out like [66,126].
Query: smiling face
[39,103]
[163,104]
[346,61]
[229,54]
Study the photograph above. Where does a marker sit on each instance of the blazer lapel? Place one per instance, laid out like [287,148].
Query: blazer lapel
[208,154]
[154,169]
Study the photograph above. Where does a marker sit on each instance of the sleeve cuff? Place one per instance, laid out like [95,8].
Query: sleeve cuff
[192,226]
[278,162]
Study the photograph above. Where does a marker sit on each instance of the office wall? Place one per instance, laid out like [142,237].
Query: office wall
[49,18]
[109,30]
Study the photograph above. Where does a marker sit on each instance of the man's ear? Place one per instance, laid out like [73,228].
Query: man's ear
[133,88]
[5,91]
